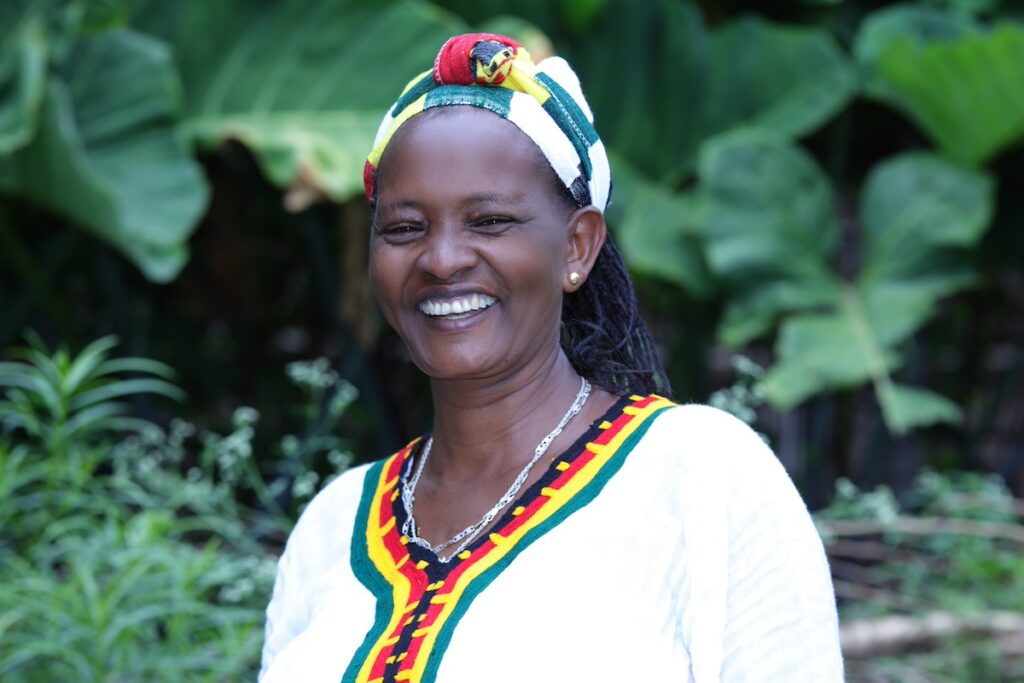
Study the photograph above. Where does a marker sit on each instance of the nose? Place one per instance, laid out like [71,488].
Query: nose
[447,251]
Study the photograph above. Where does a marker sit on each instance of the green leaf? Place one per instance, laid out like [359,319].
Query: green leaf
[23,55]
[85,364]
[786,79]
[917,210]
[126,387]
[303,83]
[819,352]
[895,310]
[657,230]
[108,155]
[92,419]
[96,16]
[41,388]
[685,83]
[62,399]
[907,408]
[914,208]
[958,81]
[769,227]
[921,24]
[131,364]
[844,349]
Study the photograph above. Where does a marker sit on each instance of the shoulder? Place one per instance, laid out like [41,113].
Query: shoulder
[696,421]
[327,521]
[701,438]
[712,466]
[315,557]
[340,494]
[758,599]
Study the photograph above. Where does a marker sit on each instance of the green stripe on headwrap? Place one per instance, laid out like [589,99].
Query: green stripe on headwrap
[496,100]
[545,102]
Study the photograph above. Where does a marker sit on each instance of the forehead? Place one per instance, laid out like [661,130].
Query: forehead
[461,149]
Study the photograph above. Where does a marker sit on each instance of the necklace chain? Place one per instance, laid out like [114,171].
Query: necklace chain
[466,536]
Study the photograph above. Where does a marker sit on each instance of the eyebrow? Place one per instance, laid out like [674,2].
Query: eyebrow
[400,204]
[483,197]
[477,198]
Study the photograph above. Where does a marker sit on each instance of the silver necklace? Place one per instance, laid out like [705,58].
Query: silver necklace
[466,536]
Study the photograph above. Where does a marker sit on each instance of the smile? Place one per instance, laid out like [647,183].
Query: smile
[440,308]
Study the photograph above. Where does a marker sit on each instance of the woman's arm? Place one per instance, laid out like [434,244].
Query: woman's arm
[760,604]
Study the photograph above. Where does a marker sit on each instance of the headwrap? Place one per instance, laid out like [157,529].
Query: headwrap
[544,100]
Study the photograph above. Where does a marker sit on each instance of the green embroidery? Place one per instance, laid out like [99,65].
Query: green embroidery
[581,499]
[368,574]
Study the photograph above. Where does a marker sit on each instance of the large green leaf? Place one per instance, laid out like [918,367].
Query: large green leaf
[786,79]
[670,83]
[108,154]
[959,82]
[657,230]
[920,24]
[770,230]
[918,213]
[906,408]
[22,75]
[817,352]
[839,350]
[303,83]
[914,209]
[771,234]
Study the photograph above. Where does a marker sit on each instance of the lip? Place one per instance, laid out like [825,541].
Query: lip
[464,320]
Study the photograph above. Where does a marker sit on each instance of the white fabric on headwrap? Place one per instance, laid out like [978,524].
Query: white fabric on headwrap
[545,101]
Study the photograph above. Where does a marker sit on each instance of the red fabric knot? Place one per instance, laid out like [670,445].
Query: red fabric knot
[475,58]
[369,179]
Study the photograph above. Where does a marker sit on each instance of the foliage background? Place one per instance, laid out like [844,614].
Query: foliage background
[828,188]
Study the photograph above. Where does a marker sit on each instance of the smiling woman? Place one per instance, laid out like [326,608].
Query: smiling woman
[564,520]
[451,225]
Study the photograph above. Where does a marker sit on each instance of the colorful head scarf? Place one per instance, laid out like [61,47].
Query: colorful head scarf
[544,100]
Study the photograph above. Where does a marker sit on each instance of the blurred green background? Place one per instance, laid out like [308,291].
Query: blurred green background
[822,203]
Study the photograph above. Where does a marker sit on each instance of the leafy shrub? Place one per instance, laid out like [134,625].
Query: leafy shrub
[56,399]
[130,557]
[932,582]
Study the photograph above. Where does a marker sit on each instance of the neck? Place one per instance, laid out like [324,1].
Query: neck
[486,428]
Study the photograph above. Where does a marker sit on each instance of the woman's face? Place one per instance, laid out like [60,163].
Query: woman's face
[468,256]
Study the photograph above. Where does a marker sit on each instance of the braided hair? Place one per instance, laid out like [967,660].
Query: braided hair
[603,334]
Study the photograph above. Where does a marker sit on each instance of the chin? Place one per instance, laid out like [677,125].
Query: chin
[460,364]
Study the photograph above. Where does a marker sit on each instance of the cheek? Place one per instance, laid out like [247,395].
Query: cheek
[384,280]
[536,275]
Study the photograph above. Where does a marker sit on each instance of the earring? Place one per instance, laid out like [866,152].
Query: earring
[574,278]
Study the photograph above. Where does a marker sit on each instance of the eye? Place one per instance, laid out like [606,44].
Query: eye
[493,224]
[399,232]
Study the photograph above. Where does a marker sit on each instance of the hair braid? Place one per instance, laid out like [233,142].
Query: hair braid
[603,334]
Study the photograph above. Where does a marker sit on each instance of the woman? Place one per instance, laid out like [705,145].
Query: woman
[562,522]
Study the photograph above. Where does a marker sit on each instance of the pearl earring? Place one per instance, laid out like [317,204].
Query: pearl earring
[574,278]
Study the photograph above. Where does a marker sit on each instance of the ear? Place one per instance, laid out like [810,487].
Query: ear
[587,233]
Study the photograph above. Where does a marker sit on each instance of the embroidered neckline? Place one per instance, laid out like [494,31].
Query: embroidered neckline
[420,599]
[524,503]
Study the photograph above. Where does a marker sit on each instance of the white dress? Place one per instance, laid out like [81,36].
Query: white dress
[667,544]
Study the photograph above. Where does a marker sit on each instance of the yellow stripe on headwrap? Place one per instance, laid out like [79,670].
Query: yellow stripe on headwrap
[378,149]
[497,73]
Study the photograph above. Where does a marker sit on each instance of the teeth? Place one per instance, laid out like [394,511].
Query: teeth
[465,304]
